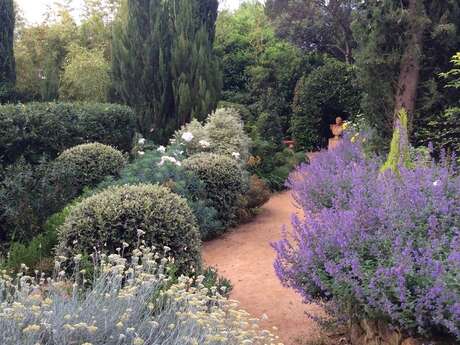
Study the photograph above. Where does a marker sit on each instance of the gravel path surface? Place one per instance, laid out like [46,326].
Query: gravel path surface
[245,256]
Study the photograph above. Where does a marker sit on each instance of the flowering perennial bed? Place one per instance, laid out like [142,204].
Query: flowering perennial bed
[127,303]
[377,245]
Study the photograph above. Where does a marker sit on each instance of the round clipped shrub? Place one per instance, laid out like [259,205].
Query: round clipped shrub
[89,164]
[224,182]
[126,215]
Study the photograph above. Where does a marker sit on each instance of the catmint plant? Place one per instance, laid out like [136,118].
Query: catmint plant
[377,245]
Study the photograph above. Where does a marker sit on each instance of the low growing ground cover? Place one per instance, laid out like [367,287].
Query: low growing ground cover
[126,302]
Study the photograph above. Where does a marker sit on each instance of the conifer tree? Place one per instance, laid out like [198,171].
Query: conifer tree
[163,63]
[207,12]
[7,64]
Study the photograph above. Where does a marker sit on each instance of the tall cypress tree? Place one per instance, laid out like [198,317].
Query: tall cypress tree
[207,13]
[7,64]
[195,72]
[163,63]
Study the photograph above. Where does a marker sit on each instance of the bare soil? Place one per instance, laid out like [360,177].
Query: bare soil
[245,256]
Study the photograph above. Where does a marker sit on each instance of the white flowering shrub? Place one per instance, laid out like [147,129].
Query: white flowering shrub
[222,134]
[193,137]
[226,134]
[122,216]
[128,303]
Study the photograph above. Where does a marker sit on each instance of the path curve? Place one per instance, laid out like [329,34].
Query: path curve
[245,256]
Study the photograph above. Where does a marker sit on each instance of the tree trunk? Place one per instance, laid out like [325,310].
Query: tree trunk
[409,76]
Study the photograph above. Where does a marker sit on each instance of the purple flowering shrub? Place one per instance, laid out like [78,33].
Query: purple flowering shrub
[328,179]
[377,245]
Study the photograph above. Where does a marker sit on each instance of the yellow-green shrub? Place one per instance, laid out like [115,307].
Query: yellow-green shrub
[125,215]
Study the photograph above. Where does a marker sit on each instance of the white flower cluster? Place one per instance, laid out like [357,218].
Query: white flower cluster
[187,136]
[112,311]
[141,143]
[170,159]
[204,144]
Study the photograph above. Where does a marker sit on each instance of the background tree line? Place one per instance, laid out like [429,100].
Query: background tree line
[291,66]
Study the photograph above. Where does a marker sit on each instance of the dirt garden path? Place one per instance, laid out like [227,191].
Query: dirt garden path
[245,257]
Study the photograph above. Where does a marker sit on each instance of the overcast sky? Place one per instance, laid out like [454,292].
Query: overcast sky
[33,9]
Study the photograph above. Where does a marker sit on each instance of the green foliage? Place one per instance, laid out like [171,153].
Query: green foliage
[86,76]
[38,129]
[382,31]
[274,166]
[223,134]
[147,169]
[454,74]
[318,26]
[7,62]
[246,115]
[442,129]
[88,164]
[212,279]
[20,202]
[199,142]
[224,181]
[269,129]
[164,65]
[326,93]
[37,254]
[259,69]
[43,51]
[194,69]
[29,194]
[126,215]
[226,133]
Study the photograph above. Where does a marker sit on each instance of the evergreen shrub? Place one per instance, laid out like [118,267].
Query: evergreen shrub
[123,216]
[23,199]
[246,115]
[35,130]
[148,169]
[199,141]
[224,181]
[326,93]
[223,133]
[88,164]
[37,254]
